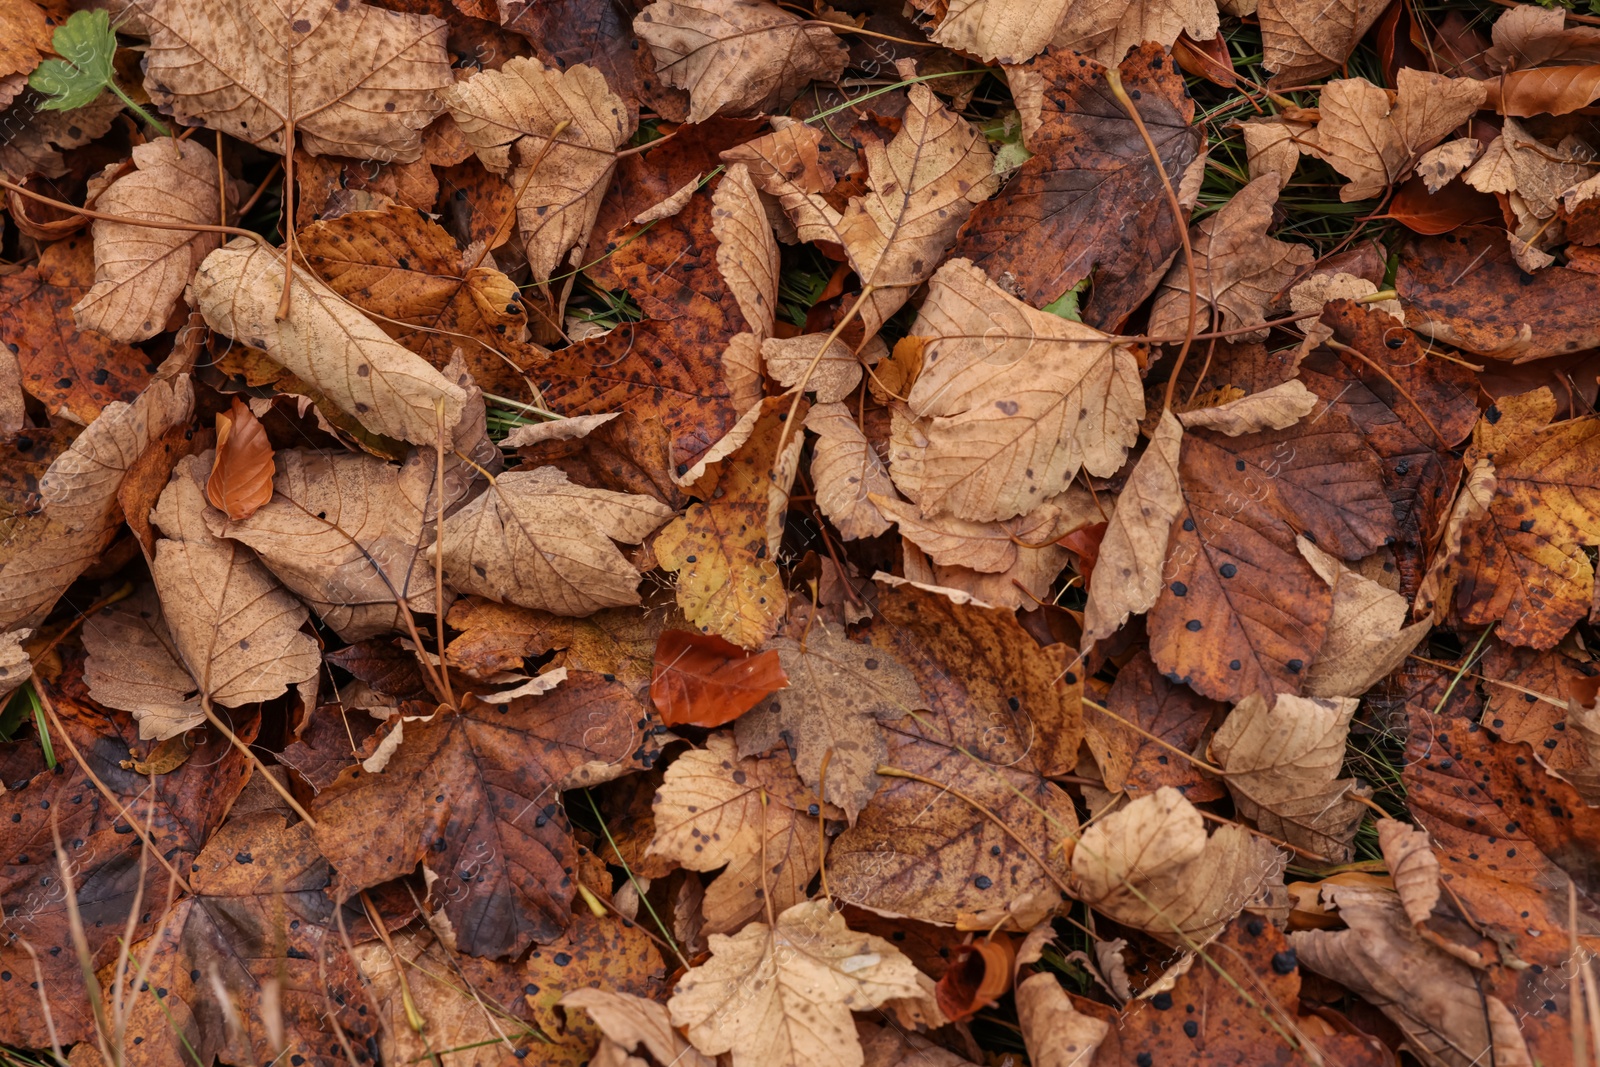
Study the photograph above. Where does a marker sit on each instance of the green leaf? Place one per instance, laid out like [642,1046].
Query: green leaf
[87,46]
[1066,305]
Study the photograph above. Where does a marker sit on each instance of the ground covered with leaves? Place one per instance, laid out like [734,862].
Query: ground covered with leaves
[719,533]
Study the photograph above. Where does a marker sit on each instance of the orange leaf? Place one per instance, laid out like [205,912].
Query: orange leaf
[702,680]
[1086,543]
[1432,213]
[1543,91]
[1206,59]
[980,976]
[241,476]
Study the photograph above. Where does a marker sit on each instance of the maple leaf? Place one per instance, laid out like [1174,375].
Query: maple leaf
[325,341]
[179,811]
[406,270]
[499,840]
[722,549]
[782,994]
[921,187]
[1064,215]
[1004,402]
[1302,41]
[716,810]
[1239,270]
[536,539]
[235,629]
[1540,699]
[838,692]
[1151,866]
[737,57]
[249,69]
[1375,142]
[258,919]
[76,372]
[140,272]
[599,955]
[1283,766]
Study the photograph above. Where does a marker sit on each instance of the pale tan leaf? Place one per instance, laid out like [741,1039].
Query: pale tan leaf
[1304,39]
[1283,768]
[569,429]
[325,341]
[1152,867]
[1373,138]
[1274,408]
[1368,638]
[510,115]
[670,205]
[1012,401]
[835,376]
[747,252]
[1438,1003]
[140,272]
[782,996]
[345,533]
[235,628]
[785,160]
[245,67]
[1412,865]
[1270,147]
[710,813]
[134,666]
[737,57]
[920,189]
[13,402]
[1239,270]
[1517,162]
[998,30]
[1056,1033]
[635,1024]
[846,471]
[741,367]
[991,547]
[15,666]
[1107,29]
[535,539]
[839,690]
[1134,547]
[1438,165]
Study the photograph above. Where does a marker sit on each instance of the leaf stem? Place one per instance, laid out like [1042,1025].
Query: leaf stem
[137,110]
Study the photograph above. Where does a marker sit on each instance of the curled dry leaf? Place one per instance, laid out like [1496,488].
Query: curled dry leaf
[716,810]
[737,57]
[782,995]
[535,539]
[510,115]
[236,629]
[702,680]
[1239,270]
[1283,766]
[327,342]
[498,636]
[1011,402]
[981,974]
[1275,408]
[1152,867]
[140,272]
[839,690]
[247,71]
[15,666]
[241,474]
[134,666]
[747,251]
[1368,638]
[846,472]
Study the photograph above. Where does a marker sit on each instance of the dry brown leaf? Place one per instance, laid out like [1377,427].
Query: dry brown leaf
[1134,548]
[569,429]
[996,30]
[989,547]
[1056,1033]
[781,996]
[133,665]
[629,1024]
[536,539]
[790,361]
[344,532]
[1518,162]
[1275,408]
[241,475]
[326,342]
[1438,165]
[1368,638]
[1011,402]
[839,691]
[1283,768]
[26,32]
[1239,270]
[715,810]
[1413,866]
[498,636]
[1270,147]
[722,548]
[1437,1002]
[747,251]
[1152,867]
[737,57]
[846,471]
[1169,715]
[424,292]
[38,147]
[15,666]
[920,188]
[1374,139]
[669,206]
[235,628]
[1303,40]
[140,271]
[246,70]
[510,115]
[1108,30]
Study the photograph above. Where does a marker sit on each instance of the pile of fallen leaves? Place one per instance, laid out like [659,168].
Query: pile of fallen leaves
[790,535]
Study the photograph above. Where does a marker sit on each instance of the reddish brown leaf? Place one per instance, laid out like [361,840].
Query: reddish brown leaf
[241,476]
[1131,761]
[981,975]
[1433,213]
[1543,91]
[1206,59]
[702,680]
